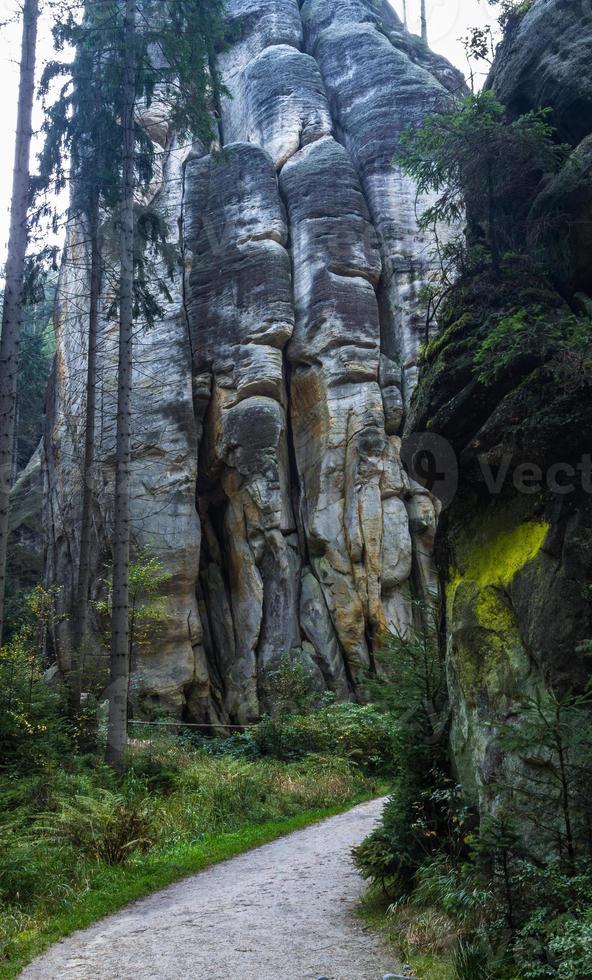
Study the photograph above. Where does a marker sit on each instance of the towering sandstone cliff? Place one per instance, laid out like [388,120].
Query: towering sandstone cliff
[268,400]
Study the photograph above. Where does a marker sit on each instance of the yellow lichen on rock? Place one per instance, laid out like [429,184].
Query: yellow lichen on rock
[498,561]
[480,614]
[498,558]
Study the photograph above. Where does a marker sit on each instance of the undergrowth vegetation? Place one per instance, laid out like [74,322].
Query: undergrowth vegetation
[79,839]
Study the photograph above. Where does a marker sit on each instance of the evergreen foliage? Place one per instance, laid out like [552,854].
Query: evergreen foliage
[552,734]
[37,347]
[485,169]
[174,69]
[423,815]
[533,334]
[36,357]
[15,277]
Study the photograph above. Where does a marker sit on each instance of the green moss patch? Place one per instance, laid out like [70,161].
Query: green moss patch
[489,651]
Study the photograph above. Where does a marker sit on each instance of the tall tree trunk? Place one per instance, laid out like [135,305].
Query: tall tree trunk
[80,617]
[117,733]
[15,441]
[14,278]
[424,21]
[405,23]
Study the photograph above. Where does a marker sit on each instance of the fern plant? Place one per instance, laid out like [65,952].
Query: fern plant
[106,827]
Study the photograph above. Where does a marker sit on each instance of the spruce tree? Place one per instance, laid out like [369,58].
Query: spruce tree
[117,733]
[82,131]
[12,314]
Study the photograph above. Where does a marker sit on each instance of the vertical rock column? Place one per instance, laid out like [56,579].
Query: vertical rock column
[273,379]
[352,484]
[240,312]
[380,81]
[302,422]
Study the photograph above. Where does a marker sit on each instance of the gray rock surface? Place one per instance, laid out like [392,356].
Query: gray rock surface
[561,221]
[545,61]
[270,395]
[515,563]
[372,107]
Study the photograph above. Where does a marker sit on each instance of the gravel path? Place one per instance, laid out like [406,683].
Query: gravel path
[285,911]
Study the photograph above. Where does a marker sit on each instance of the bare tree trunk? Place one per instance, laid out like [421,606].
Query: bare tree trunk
[405,23]
[15,441]
[14,278]
[80,617]
[424,21]
[117,733]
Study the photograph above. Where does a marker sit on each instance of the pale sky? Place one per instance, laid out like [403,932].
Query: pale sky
[448,21]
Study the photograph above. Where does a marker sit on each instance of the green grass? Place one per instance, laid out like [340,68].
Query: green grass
[115,887]
[430,967]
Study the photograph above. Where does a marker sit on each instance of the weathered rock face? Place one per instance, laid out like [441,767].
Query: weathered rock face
[560,221]
[268,400]
[545,61]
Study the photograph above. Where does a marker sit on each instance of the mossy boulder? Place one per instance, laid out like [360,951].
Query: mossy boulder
[450,398]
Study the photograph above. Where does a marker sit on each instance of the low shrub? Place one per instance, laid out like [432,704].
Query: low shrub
[428,930]
[317,781]
[361,733]
[240,746]
[289,687]
[224,793]
[539,926]
[157,767]
[470,962]
[19,866]
[554,931]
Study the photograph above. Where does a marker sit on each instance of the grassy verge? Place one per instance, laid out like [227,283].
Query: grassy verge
[115,887]
[425,964]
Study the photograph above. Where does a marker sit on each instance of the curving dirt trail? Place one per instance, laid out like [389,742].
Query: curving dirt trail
[285,910]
